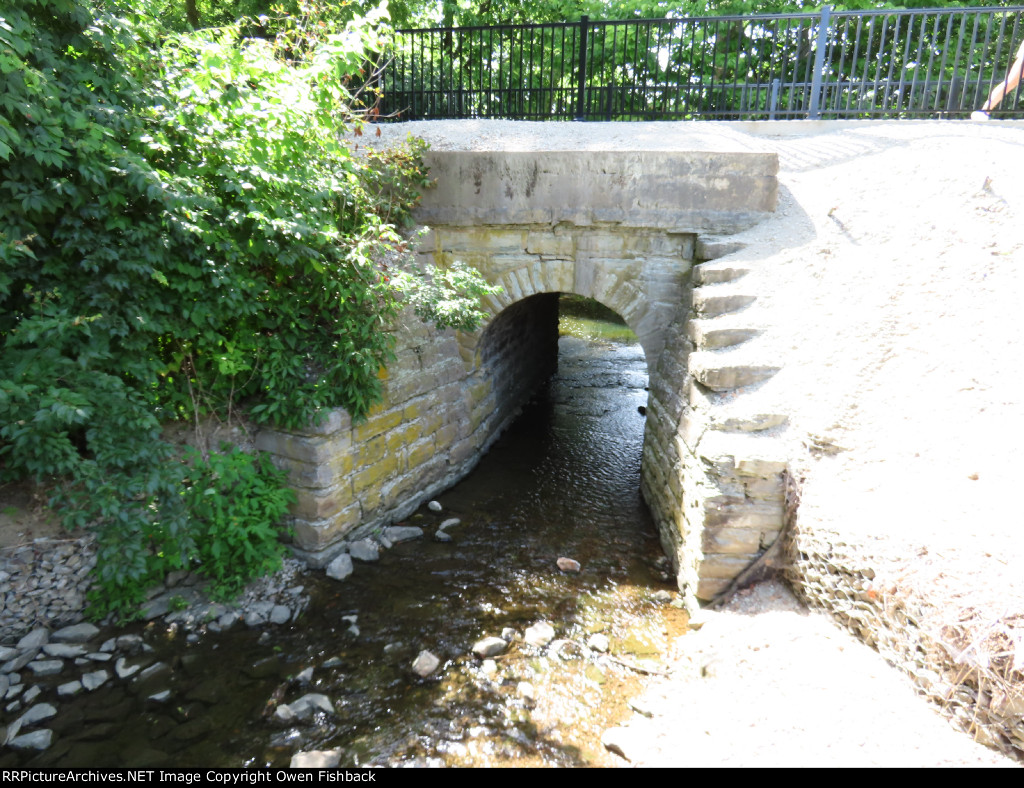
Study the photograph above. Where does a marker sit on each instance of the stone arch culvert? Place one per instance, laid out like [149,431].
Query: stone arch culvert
[641,232]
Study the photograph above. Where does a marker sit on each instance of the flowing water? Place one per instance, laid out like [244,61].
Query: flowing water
[562,482]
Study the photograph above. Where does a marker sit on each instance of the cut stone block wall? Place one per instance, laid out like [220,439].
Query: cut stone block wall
[439,414]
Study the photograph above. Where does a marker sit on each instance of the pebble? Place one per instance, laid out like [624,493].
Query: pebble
[425,664]
[489,647]
[340,567]
[451,522]
[568,564]
[95,679]
[34,639]
[540,634]
[434,506]
[78,633]
[124,670]
[46,667]
[70,688]
[63,650]
[308,705]
[316,759]
[402,533]
[364,550]
[36,740]
[37,713]
[598,642]
[441,536]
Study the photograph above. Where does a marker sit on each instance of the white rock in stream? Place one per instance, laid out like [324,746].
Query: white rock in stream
[340,567]
[425,664]
[489,647]
[599,642]
[540,634]
[36,740]
[451,522]
[568,564]
[309,704]
[402,533]
[316,759]
[434,506]
[364,550]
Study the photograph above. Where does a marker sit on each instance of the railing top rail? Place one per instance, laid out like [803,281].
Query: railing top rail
[1009,9]
[477,28]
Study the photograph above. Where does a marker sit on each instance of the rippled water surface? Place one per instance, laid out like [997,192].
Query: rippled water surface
[563,481]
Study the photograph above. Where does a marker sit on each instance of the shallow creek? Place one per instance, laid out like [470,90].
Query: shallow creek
[562,481]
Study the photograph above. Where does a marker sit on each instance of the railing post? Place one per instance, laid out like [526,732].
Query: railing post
[813,112]
[581,75]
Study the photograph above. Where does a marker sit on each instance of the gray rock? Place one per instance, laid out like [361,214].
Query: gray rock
[227,620]
[540,634]
[451,522]
[14,665]
[94,679]
[305,707]
[130,643]
[99,656]
[77,633]
[364,550]
[5,682]
[14,691]
[316,759]
[7,653]
[442,536]
[109,646]
[280,614]
[508,634]
[154,671]
[305,676]
[69,689]
[283,714]
[38,713]
[340,567]
[9,732]
[425,664]
[254,618]
[489,647]
[63,650]
[402,533]
[31,694]
[262,609]
[154,608]
[36,740]
[34,639]
[161,696]
[663,596]
[434,506]
[46,667]
[124,670]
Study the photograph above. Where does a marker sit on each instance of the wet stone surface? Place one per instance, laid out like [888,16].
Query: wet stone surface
[378,668]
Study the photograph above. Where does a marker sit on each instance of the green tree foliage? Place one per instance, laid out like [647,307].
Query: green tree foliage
[183,235]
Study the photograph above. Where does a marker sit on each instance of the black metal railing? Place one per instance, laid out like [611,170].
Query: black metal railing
[831,64]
